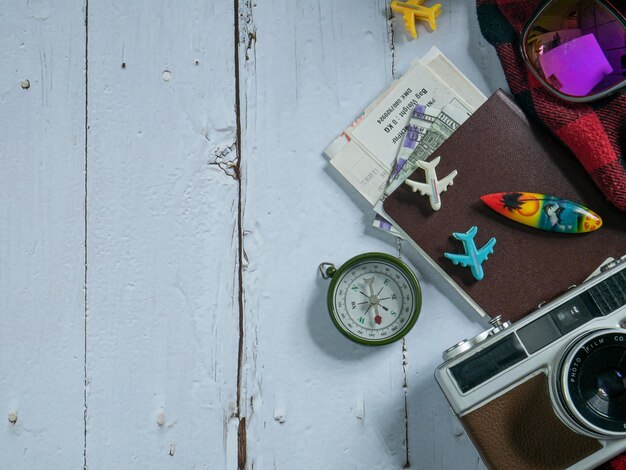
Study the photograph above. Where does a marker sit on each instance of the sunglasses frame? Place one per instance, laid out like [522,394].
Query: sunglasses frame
[550,88]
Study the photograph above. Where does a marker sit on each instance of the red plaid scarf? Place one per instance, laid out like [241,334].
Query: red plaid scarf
[595,132]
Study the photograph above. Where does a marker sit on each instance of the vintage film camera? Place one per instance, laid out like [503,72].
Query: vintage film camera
[549,391]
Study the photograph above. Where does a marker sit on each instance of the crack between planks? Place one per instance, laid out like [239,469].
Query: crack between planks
[220,160]
[85,379]
[405,387]
[390,35]
[241,429]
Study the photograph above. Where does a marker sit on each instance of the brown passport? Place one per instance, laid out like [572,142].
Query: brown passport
[498,150]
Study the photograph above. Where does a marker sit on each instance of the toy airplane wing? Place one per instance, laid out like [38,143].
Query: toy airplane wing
[407,6]
[485,251]
[423,188]
[409,24]
[463,260]
[470,234]
[410,3]
[443,183]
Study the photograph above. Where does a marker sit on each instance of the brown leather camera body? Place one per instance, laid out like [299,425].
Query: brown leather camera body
[520,430]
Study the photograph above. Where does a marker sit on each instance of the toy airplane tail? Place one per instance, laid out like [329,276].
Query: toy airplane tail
[467,235]
[429,165]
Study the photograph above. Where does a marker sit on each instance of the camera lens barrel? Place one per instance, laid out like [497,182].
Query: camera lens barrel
[591,383]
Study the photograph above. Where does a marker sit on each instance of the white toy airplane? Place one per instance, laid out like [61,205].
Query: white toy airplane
[433,187]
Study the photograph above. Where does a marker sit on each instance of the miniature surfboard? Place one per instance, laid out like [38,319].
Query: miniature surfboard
[544,212]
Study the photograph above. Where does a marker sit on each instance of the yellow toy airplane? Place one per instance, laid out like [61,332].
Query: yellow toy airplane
[414,10]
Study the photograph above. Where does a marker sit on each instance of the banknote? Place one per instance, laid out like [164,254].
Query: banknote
[420,121]
[448,120]
[383,224]
[439,129]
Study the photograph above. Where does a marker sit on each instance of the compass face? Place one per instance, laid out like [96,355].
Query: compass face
[374,299]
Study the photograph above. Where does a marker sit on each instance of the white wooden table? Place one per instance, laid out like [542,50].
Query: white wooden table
[164,207]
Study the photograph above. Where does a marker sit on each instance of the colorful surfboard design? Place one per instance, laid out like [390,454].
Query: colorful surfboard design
[544,212]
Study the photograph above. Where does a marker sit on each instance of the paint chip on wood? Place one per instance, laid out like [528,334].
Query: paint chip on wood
[12,417]
[160,419]
[360,409]
[40,9]
[457,429]
[172,450]
[279,416]
[25,84]
[167,75]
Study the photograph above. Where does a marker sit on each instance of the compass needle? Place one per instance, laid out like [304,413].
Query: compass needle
[378,319]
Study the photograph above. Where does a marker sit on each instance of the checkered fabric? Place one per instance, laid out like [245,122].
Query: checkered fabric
[595,132]
[618,463]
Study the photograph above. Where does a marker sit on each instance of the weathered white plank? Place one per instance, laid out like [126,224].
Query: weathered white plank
[436,440]
[162,329]
[314,399]
[42,102]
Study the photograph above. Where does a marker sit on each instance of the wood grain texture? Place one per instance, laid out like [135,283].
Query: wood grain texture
[42,159]
[162,325]
[315,397]
[314,400]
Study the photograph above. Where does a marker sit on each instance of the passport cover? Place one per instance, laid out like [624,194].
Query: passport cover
[498,150]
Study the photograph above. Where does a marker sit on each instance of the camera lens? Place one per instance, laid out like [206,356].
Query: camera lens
[592,385]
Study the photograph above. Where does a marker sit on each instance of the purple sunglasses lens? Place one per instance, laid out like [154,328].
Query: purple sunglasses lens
[578,47]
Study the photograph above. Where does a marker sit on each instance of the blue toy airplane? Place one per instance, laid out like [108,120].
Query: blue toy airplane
[473,257]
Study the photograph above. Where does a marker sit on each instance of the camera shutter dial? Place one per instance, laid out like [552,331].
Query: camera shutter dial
[467,344]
